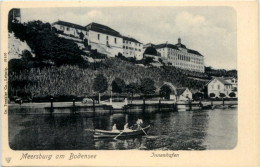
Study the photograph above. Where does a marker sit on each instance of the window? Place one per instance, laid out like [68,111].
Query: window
[107,43]
[68,28]
[124,47]
[115,40]
[98,36]
[123,41]
[218,86]
[107,37]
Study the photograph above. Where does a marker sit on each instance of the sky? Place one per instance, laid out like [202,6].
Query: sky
[209,30]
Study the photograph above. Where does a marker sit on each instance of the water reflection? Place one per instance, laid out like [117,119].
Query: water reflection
[189,130]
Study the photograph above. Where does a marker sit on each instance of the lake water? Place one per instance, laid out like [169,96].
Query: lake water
[186,130]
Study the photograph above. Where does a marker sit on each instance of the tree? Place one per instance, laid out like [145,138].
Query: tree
[26,55]
[148,60]
[147,86]
[100,85]
[85,42]
[212,95]
[118,85]
[198,96]
[16,65]
[232,94]
[132,88]
[150,51]
[222,95]
[165,91]
[81,35]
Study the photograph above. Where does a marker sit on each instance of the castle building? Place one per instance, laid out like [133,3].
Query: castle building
[181,57]
[132,48]
[105,39]
[70,29]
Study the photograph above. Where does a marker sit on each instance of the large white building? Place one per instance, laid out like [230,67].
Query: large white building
[181,57]
[132,48]
[104,39]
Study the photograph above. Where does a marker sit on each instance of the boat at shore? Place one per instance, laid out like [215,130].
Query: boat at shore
[121,133]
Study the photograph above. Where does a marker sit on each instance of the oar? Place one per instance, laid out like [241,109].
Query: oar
[143,131]
[118,135]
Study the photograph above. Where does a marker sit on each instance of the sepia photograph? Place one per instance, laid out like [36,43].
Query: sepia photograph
[108,78]
[129,84]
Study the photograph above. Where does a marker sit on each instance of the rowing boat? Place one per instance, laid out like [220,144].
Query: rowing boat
[123,134]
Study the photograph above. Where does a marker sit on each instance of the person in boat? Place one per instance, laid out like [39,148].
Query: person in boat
[114,128]
[139,122]
[126,129]
[137,125]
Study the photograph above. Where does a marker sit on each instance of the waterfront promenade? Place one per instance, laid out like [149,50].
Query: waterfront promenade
[68,107]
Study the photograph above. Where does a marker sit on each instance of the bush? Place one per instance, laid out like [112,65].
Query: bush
[150,51]
[47,45]
[212,95]
[232,95]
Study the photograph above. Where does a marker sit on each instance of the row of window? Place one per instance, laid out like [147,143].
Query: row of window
[188,59]
[188,65]
[182,57]
[62,27]
[107,38]
[126,53]
[218,87]
[126,47]
[125,41]
[191,69]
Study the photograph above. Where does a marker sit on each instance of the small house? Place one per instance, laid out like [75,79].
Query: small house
[183,94]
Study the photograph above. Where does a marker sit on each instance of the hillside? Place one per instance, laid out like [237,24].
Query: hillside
[16,46]
[56,65]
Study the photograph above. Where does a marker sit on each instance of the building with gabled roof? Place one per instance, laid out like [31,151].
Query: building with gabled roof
[70,29]
[102,37]
[102,29]
[182,57]
[183,94]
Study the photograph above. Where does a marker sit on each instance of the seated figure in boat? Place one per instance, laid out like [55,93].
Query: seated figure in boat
[137,125]
[114,128]
[126,129]
[139,122]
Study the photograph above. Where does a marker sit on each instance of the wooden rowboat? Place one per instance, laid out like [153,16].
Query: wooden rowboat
[121,134]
